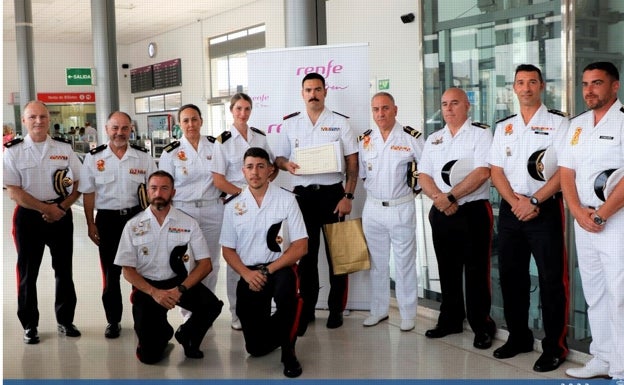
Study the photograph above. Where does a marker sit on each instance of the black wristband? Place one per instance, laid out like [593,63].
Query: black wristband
[451,198]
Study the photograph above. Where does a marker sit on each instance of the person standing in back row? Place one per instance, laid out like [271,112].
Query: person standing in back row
[321,197]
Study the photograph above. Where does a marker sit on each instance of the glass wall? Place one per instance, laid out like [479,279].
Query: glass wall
[477,44]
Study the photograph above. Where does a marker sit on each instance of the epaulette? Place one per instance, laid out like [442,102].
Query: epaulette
[171,146]
[575,116]
[364,134]
[338,113]
[225,135]
[99,148]
[412,131]
[140,148]
[61,139]
[480,125]
[557,112]
[505,118]
[211,139]
[291,115]
[622,110]
[13,142]
[231,198]
[259,131]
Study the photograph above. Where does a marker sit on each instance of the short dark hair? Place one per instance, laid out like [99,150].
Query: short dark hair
[313,75]
[161,173]
[192,106]
[257,152]
[605,66]
[529,68]
[238,96]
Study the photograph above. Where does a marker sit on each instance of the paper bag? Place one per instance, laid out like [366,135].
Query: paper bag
[347,246]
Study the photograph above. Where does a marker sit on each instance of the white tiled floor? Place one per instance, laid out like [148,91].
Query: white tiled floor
[351,351]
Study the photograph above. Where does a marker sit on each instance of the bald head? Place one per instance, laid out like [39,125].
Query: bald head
[455,107]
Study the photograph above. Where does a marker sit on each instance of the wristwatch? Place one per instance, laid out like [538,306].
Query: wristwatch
[349,196]
[182,289]
[598,220]
[264,270]
[451,198]
[534,201]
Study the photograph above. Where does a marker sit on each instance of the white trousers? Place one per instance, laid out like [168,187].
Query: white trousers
[601,264]
[386,227]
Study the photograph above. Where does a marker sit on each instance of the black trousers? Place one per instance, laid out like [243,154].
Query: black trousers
[31,234]
[264,332]
[150,319]
[317,204]
[542,237]
[462,243]
[110,225]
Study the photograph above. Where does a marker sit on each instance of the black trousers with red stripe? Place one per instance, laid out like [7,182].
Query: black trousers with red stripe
[31,234]
[462,243]
[263,331]
[543,238]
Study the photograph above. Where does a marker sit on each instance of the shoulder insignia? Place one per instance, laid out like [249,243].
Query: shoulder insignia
[364,134]
[259,131]
[557,112]
[225,135]
[505,118]
[172,146]
[13,142]
[99,148]
[575,116]
[622,110]
[140,148]
[230,198]
[338,113]
[480,125]
[211,139]
[291,115]
[412,131]
[61,139]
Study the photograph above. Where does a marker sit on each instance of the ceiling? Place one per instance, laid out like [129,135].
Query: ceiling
[70,20]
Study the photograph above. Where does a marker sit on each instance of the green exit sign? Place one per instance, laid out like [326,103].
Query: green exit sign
[78,76]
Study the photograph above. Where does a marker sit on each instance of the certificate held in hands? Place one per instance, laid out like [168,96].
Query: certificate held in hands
[323,159]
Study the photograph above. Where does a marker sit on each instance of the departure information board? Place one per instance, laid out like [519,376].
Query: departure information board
[153,77]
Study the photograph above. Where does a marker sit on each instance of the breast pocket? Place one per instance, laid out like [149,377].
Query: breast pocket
[104,178]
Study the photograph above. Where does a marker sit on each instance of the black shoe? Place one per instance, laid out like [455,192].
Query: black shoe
[442,331]
[31,336]
[112,330]
[509,350]
[334,320]
[68,330]
[482,341]
[292,368]
[189,350]
[547,363]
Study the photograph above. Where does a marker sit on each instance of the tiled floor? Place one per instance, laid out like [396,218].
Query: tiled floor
[351,351]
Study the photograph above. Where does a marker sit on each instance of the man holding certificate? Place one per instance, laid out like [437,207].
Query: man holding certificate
[313,146]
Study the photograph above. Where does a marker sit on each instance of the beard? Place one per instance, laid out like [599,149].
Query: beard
[160,203]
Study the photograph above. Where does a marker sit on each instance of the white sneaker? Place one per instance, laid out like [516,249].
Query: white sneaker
[374,320]
[236,324]
[407,325]
[593,369]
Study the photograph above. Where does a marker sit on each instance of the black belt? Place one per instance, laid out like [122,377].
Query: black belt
[57,200]
[122,212]
[258,266]
[316,187]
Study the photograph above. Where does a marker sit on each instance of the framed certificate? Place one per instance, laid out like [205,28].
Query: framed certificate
[323,159]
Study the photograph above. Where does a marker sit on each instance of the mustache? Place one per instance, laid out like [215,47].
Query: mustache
[313,100]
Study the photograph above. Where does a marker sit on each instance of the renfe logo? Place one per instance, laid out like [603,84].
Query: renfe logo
[276,127]
[326,70]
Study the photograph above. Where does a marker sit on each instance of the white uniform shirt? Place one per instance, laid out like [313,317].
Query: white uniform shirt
[228,157]
[514,143]
[590,150]
[471,142]
[33,170]
[383,165]
[245,225]
[191,170]
[298,131]
[147,246]
[115,181]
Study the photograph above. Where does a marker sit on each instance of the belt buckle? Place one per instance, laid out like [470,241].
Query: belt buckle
[385,204]
[124,212]
[315,187]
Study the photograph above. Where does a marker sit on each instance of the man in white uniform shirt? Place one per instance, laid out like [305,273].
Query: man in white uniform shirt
[111,176]
[461,220]
[389,216]
[267,273]
[530,223]
[151,260]
[595,143]
[321,197]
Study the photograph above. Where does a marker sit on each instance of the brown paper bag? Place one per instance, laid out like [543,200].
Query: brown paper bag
[347,246]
